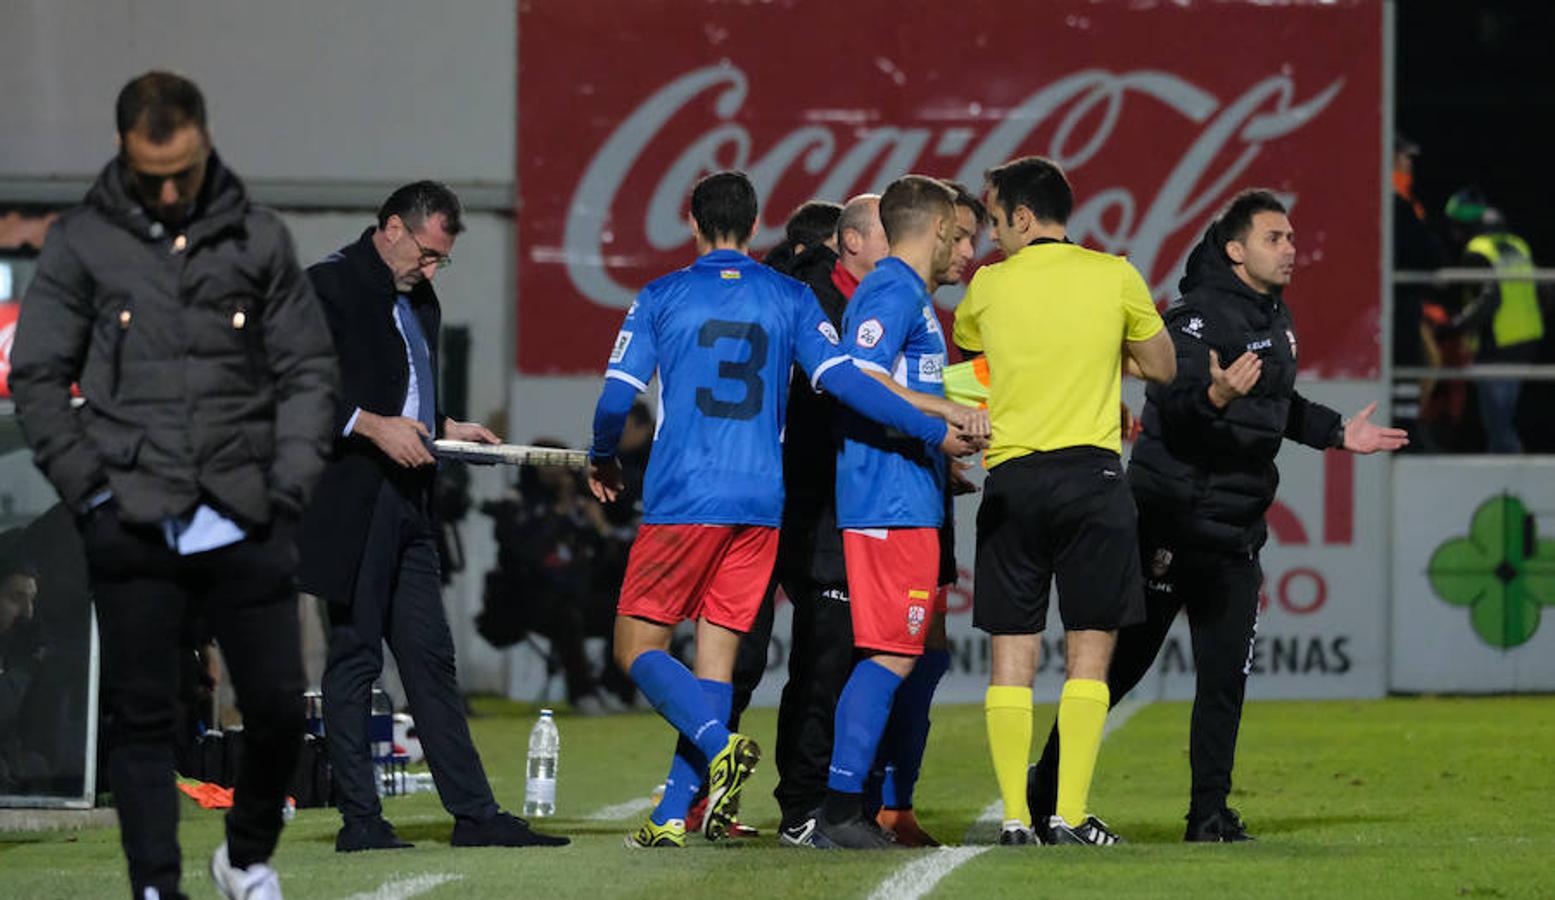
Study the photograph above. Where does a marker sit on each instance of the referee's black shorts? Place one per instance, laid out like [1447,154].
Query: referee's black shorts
[1066,513]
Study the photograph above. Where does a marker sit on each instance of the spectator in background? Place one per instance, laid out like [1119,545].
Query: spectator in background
[559,536]
[20,647]
[21,651]
[1502,317]
[1415,249]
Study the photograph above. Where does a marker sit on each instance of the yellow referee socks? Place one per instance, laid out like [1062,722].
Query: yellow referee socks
[1008,710]
[1082,714]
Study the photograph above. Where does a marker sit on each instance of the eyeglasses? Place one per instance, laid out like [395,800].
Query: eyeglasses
[428,257]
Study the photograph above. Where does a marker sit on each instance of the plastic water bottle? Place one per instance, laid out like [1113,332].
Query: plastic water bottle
[540,785]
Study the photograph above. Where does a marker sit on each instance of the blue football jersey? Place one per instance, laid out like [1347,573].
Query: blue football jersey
[723,335]
[884,478]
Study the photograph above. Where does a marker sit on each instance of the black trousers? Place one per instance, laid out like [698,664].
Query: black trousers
[820,660]
[1219,590]
[399,598]
[144,594]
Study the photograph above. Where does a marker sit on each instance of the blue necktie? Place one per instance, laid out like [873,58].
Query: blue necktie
[421,359]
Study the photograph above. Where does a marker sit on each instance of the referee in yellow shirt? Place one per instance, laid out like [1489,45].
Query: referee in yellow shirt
[1055,322]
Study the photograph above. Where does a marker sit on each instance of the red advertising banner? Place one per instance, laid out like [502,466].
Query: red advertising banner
[8,314]
[1159,112]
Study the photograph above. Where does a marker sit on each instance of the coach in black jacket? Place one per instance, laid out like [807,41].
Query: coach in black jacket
[1203,475]
[208,377]
[368,540]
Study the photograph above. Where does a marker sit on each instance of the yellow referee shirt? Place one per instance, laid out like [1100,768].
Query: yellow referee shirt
[1052,320]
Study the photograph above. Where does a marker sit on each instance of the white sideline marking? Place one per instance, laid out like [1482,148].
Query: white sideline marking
[406,887]
[919,876]
[916,879]
[621,811]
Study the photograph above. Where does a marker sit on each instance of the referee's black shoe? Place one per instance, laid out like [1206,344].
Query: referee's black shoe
[1221,827]
[1092,832]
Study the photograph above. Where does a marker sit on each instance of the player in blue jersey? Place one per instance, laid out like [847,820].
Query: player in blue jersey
[900,757]
[890,494]
[722,336]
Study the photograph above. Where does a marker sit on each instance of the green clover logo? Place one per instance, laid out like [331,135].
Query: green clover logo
[1502,572]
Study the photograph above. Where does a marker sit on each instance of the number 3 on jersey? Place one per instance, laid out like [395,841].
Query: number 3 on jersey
[747,371]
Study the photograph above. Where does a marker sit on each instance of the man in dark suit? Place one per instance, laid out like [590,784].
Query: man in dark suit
[369,547]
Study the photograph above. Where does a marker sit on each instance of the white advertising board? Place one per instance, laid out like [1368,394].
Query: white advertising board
[1473,574]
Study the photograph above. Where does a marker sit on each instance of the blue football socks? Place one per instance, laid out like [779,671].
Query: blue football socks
[861,716]
[907,731]
[689,768]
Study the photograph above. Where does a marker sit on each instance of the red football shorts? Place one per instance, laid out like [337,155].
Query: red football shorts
[713,572]
[891,586]
[942,598]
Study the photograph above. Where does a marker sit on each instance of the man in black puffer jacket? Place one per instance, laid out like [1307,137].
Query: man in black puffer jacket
[209,379]
[1203,476]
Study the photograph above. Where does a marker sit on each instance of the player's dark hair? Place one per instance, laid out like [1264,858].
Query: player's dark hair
[970,200]
[814,222]
[419,201]
[1037,183]
[910,204]
[724,206]
[1237,219]
[160,101]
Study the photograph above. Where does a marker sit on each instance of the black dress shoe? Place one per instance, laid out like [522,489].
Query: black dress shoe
[368,834]
[1221,827]
[501,830]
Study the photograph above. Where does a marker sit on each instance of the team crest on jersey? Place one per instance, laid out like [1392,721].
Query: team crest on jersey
[869,333]
[1194,328]
[828,332]
[1291,336]
[931,368]
[729,274]
[623,340]
[916,616]
[1160,562]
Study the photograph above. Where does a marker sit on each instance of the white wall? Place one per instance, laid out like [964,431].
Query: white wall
[354,90]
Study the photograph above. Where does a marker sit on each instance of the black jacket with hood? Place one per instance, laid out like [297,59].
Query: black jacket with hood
[810,546]
[203,356]
[1204,474]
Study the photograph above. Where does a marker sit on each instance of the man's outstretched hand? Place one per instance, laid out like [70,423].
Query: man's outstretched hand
[1362,435]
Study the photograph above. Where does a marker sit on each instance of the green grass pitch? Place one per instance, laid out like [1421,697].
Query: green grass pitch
[1395,798]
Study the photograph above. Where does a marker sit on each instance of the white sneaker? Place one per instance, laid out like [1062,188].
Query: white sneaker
[257,882]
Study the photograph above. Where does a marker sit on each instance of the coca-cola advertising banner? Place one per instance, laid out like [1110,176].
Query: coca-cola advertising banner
[1158,111]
